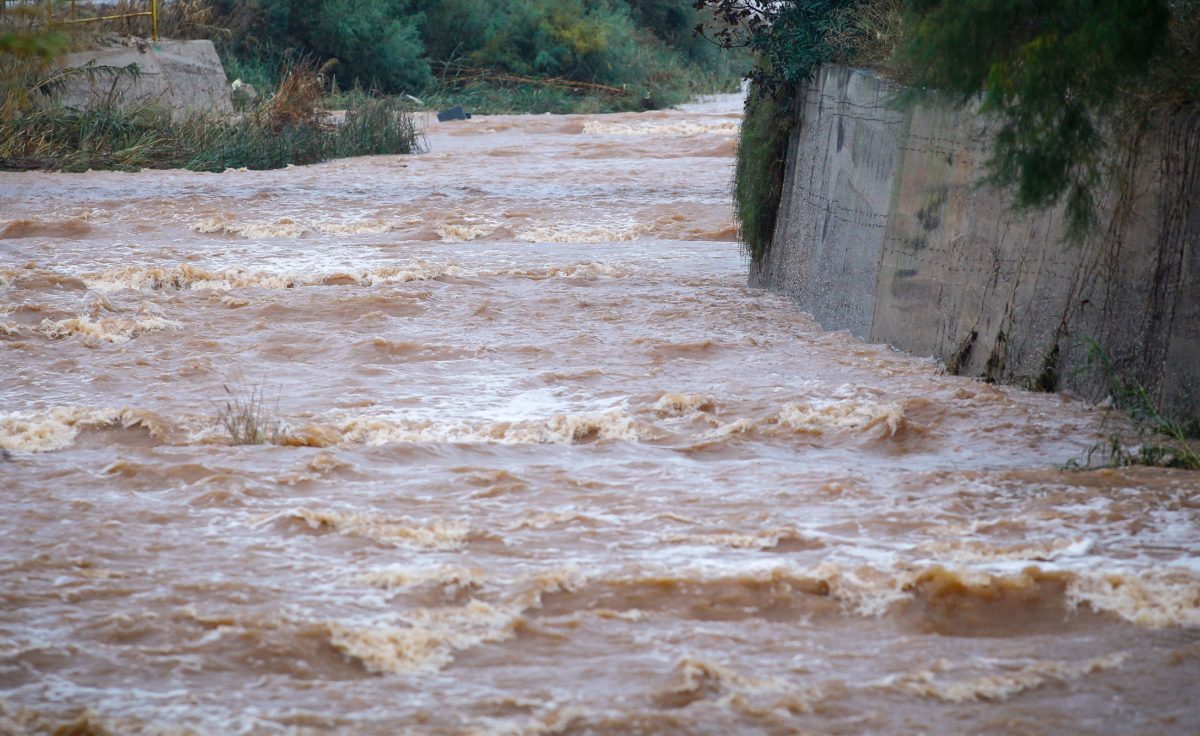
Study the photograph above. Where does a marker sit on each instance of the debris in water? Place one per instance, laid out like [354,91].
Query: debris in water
[454,113]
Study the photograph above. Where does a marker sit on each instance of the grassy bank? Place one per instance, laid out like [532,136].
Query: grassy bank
[289,128]
[285,126]
[138,138]
[493,56]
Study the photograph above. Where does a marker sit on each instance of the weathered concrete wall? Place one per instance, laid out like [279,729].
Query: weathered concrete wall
[185,76]
[885,230]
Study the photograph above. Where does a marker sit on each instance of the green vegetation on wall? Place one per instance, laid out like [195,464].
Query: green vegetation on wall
[762,155]
[1059,78]
[789,41]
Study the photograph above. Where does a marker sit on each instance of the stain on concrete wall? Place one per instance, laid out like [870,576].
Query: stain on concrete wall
[887,230]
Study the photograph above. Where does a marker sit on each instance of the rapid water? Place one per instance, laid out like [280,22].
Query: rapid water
[542,465]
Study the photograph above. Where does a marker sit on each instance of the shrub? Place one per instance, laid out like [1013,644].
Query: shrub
[374,41]
[789,38]
[644,46]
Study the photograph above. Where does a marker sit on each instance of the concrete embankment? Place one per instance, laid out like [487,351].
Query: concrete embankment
[185,76]
[886,230]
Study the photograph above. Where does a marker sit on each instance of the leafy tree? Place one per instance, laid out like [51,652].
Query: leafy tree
[373,40]
[578,39]
[1050,71]
[789,37]
[377,42]
[645,45]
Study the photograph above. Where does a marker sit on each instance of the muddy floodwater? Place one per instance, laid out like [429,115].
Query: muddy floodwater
[538,462]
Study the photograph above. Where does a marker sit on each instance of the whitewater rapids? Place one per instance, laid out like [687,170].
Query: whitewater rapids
[537,462]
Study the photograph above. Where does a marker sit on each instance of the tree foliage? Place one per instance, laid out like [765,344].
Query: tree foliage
[399,45]
[1057,76]
[789,37]
[375,41]
[1050,72]
[789,40]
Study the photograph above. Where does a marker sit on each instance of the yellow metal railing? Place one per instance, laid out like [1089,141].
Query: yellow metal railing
[74,19]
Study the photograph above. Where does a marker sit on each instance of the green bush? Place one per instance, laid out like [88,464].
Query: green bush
[374,41]
[643,47]
[795,45]
[789,38]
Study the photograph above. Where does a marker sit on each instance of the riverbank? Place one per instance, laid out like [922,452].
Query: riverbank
[105,114]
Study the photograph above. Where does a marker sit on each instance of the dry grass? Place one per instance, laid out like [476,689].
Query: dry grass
[297,102]
[249,420]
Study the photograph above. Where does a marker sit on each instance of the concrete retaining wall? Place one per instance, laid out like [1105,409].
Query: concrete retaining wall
[185,76]
[886,231]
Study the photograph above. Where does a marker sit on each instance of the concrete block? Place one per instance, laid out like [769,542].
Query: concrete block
[184,76]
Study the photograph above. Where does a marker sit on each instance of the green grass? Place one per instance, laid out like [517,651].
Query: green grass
[1150,436]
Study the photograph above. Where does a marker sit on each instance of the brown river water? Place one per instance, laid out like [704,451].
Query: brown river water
[544,465]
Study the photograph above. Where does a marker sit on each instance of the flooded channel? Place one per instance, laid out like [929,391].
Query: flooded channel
[539,463]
